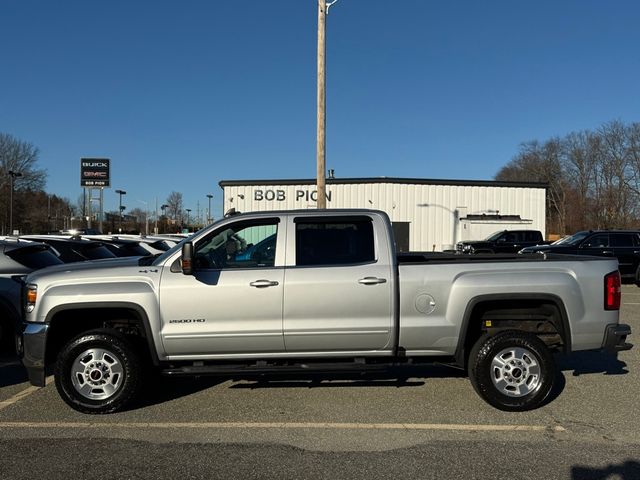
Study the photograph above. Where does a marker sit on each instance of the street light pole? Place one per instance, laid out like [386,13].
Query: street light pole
[13,176]
[164,207]
[121,193]
[209,217]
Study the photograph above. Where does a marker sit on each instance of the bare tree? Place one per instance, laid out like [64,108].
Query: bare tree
[174,202]
[21,158]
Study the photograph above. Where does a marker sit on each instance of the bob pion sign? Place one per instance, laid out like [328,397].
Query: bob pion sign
[94,172]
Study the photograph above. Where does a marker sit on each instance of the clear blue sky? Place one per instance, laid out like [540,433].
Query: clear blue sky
[183,94]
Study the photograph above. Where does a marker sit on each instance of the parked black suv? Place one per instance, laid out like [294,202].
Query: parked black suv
[71,249]
[504,241]
[622,244]
[17,259]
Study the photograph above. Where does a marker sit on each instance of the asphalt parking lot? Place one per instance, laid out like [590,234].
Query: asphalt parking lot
[431,425]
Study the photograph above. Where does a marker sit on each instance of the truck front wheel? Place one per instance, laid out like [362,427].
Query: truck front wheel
[98,372]
[512,370]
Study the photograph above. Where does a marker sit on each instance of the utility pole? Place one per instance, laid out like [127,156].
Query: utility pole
[320,142]
[323,11]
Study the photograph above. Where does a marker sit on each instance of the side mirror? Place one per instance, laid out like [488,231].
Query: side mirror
[187,258]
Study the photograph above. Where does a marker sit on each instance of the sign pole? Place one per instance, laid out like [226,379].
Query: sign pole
[101,206]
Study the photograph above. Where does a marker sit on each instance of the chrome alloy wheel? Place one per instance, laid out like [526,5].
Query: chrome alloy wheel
[515,372]
[97,374]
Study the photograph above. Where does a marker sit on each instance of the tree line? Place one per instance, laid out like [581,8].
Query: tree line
[593,180]
[593,177]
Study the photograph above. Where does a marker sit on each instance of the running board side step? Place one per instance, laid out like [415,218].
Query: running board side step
[196,370]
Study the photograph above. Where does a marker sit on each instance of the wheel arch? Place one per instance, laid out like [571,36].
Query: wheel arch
[67,320]
[477,307]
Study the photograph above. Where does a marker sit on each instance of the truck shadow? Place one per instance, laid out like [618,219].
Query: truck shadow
[12,372]
[392,377]
[627,471]
[582,363]
[159,389]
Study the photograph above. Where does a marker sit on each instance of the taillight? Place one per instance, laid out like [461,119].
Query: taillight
[612,292]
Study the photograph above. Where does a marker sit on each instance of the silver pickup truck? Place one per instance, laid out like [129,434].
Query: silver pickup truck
[314,290]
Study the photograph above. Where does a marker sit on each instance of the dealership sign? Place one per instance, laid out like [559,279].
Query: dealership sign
[94,172]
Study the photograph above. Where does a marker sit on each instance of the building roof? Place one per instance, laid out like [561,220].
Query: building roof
[406,181]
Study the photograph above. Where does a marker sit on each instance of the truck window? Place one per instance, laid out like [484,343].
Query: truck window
[240,245]
[334,242]
[597,241]
[623,240]
[532,236]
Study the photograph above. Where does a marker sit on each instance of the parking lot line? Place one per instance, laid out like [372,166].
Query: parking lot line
[284,425]
[22,394]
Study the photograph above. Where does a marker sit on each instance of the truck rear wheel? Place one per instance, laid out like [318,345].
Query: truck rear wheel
[98,372]
[512,370]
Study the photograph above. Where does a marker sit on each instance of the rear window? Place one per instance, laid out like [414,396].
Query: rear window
[35,257]
[97,251]
[339,242]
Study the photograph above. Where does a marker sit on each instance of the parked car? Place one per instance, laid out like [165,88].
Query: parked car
[154,244]
[336,296]
[74,249]
[122,247]
[504,241]
[621,244]
[17,259]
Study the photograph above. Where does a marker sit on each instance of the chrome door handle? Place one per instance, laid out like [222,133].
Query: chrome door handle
[372,280]
[263,283]
[607,252]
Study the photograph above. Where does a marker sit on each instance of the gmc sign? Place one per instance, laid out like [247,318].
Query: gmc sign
[94,172]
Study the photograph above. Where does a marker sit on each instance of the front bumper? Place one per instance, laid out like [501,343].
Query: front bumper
[615,338]
[31,348]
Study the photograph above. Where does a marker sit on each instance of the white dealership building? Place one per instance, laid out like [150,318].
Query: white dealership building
[427,214]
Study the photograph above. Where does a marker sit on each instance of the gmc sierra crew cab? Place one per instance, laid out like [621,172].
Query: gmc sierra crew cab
[328,293]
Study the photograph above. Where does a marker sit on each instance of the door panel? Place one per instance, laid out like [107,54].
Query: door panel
[338,295]
[232,304]
[328,309]
[219,312]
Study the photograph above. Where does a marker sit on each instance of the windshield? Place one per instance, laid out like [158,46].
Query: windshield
[37,256]
[494,236]
[562,240]
[574,239]
[97,251]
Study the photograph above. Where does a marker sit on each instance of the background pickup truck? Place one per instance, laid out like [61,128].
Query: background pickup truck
[504,241]
[326,292]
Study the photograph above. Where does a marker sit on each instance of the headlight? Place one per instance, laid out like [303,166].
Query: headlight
[467,248]
[32,297]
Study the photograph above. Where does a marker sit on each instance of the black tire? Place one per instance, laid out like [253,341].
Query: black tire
[513,371]
[98,372]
